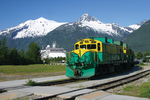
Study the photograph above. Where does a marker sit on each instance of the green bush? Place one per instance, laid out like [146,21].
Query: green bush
[31,82]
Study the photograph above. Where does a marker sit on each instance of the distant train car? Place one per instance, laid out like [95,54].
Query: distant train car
[94,56]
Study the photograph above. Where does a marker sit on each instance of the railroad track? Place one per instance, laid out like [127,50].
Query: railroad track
[55,82]
[59,82]
[103,86]
[69,81]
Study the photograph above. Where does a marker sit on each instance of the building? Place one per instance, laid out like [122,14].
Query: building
[53,51]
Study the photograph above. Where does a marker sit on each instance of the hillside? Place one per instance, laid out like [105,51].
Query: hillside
[139,40]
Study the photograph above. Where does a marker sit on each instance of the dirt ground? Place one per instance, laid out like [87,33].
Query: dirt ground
[146,67]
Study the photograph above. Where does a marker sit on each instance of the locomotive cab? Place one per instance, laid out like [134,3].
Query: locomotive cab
[89,44]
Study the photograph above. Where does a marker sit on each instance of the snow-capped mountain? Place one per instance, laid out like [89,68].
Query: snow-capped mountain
[42,26]
[102,28]
[68,34]
[46,31]
[138,25]
[32,28]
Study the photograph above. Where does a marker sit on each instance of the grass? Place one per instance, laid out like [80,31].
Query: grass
[11,72]
[37,68]
[142,64]
[137,91]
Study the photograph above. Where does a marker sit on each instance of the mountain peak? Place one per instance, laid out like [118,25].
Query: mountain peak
[141,23]
[86,17]
[41,19]
[86,14]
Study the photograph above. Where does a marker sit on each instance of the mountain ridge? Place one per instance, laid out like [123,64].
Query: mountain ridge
[42,26]
[66,34]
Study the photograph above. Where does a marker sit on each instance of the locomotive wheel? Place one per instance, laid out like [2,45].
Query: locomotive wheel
[121,67]
[124,66]
[132,64]
[117,68]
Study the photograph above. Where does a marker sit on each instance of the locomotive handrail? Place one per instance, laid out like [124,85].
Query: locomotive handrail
[68,56]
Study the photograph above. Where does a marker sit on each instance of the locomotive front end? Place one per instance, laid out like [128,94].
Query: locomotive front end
[79,64]
[81,61]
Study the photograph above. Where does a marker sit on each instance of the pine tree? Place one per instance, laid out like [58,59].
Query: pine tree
[146,54]
[23,60]
[3,52]
[33,54]
[14,57]
[139,55]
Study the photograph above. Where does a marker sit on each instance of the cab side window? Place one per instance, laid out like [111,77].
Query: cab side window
[99,47]
[91,46]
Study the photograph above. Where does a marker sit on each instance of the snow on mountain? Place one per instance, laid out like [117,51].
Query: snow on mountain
[138,25]
[32,28]
[42,26]
[135,26]
[107,28]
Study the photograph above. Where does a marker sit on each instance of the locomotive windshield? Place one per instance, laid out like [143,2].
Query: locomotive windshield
[76,46]
[91,46]
[83,46]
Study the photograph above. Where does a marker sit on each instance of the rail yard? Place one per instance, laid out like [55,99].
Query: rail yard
[93,69]
[64,88]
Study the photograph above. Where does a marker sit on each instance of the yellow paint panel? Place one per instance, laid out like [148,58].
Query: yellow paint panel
[124,50]
[80,52]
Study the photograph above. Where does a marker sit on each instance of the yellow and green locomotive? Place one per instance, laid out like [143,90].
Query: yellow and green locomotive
[94,56]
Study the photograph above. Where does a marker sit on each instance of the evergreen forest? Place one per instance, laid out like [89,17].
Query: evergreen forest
[19,57]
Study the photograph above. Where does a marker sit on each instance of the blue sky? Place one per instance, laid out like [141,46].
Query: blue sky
[122,12]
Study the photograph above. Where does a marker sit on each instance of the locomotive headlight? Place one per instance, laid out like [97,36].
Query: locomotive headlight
[86,41]
[82,64]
